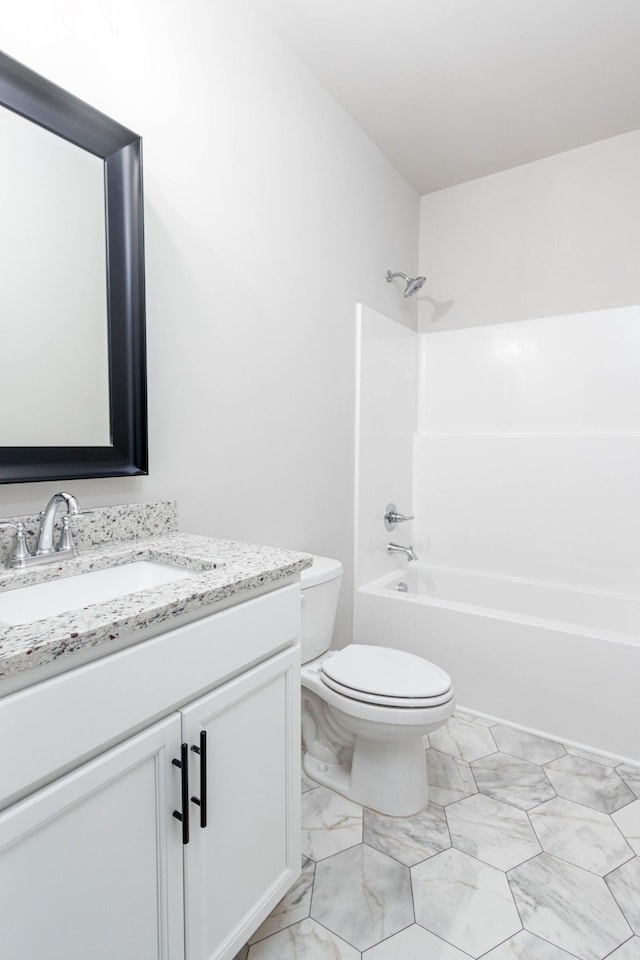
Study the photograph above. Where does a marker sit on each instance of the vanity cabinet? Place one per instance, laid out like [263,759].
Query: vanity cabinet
[95,863]
[88,865]
[247,856]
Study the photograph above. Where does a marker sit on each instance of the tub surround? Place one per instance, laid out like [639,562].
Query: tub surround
[529,596]
[223,571]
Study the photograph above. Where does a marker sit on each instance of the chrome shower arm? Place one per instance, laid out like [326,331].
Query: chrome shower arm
[389,276]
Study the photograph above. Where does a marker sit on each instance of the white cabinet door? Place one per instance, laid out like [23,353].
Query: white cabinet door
[248,855]
[91,866]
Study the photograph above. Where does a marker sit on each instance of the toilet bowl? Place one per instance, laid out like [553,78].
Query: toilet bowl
[365,709]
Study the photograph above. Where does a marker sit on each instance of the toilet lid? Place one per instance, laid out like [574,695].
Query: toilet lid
[390,677]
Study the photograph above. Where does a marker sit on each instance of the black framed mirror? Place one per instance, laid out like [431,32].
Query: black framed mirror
[120,447]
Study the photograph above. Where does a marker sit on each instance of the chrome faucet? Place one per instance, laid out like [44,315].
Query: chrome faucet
[409,552]
[45,552]
[47,520]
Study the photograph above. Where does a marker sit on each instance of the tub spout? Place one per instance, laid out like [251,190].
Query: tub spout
[409,552]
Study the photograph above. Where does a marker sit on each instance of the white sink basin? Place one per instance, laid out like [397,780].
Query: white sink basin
[41,600]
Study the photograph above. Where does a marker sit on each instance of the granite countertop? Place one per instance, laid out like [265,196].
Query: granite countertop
[242,568]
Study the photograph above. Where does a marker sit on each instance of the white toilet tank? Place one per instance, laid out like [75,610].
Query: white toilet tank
[320,586]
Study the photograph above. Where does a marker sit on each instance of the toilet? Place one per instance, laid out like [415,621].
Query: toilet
[365,709]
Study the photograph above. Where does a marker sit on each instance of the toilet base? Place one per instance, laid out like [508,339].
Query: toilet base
[402,791]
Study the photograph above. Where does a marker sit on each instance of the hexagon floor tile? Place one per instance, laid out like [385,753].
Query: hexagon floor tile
[526,746]
[628,951]
[515,781]
[631,776]
[524,946]
[628,821]
[379,903]
[585,781]
[450,779]
[414,943]
[462,739]
[463,901]
[306,940]
[580,835]
[569,907]
[369,878]
[624,884]
[408,839]
[330,823]
[494,832]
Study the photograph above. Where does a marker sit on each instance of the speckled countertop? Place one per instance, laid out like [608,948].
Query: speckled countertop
[243,568]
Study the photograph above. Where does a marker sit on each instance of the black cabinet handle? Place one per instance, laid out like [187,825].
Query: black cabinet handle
[183,816]
[201,801]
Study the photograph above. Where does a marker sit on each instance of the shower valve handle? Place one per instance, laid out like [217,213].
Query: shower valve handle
[397,517]
[391,516]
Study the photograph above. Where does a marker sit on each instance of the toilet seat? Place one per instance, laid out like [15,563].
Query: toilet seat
[379,675]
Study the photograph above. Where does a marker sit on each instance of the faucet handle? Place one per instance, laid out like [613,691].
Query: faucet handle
[17,525]
[66,537]
[391,517]
[20,550]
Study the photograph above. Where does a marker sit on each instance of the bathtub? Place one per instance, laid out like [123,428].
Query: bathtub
[562,662]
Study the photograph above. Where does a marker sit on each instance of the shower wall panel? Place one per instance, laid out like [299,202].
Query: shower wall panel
[528,454]
[386,414]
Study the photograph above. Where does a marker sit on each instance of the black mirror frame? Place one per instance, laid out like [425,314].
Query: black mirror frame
[37,99]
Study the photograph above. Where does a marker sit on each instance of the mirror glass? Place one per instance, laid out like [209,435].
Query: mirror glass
[54,389]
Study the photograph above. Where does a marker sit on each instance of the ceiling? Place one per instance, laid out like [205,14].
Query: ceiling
[451,90]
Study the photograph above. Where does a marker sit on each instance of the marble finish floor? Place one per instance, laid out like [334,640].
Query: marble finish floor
[528,849]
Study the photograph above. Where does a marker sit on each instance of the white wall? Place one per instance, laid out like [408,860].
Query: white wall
[386,415]
[269,214]
[554,237]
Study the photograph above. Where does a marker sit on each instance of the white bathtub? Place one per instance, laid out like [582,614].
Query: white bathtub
[559,661]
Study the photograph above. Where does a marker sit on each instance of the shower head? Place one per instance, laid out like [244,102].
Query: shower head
[412,283]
